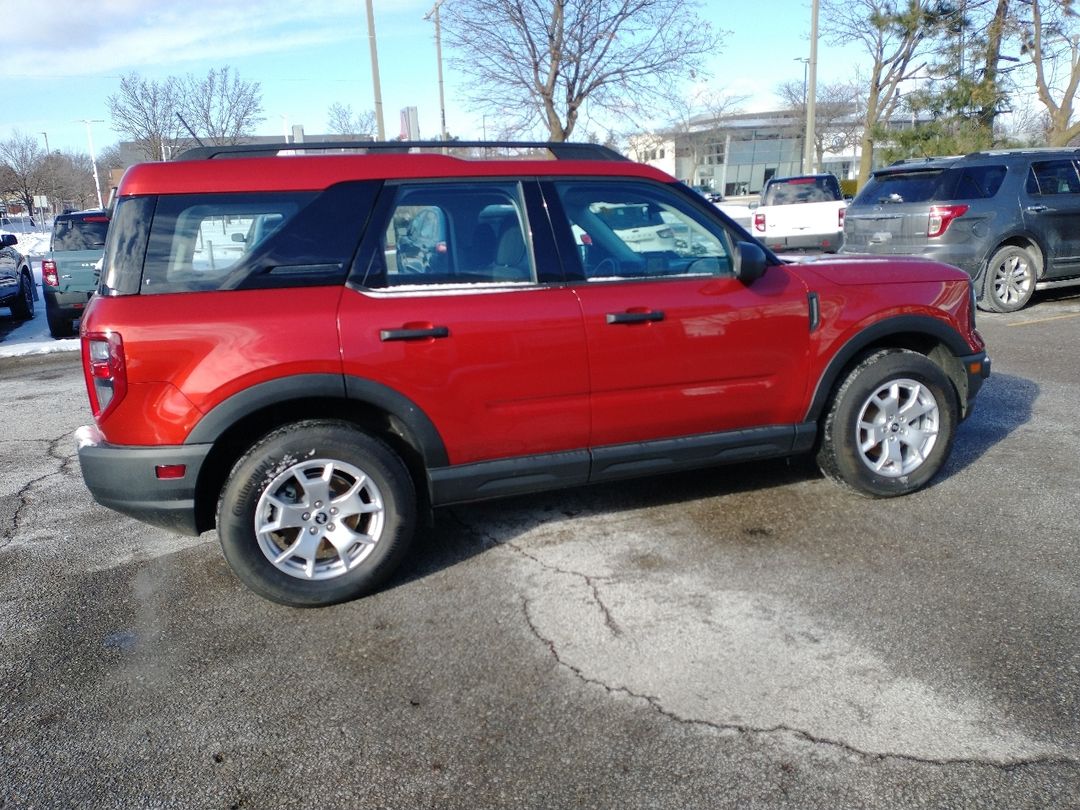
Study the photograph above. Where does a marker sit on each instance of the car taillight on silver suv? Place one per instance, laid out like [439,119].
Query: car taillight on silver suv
[106,374]
[941,216]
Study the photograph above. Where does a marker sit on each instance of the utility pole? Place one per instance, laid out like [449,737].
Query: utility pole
[805,74]
[381,129]
[809,155]
[438,56]
[93,159]
[46,135]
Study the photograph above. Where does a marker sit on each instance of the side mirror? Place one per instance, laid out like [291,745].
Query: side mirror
[750,262]
[8,239]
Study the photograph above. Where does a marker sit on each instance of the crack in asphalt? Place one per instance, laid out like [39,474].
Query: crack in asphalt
[801,734]
[655,703]
[23,493]
[588,579]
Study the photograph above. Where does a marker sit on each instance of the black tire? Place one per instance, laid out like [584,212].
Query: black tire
[318,572]
[22,308]
[1009,280]
[890,426]
[59,326]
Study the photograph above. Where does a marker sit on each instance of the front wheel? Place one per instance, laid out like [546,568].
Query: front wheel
[316,513]
[1009,280]
[891,425]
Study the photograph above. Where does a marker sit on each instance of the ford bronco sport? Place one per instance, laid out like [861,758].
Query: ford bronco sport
[308,352]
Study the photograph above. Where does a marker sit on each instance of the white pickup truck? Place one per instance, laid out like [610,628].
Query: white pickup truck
[800,213]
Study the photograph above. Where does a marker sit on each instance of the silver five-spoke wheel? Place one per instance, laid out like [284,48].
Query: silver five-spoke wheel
[897,427]
[319,519]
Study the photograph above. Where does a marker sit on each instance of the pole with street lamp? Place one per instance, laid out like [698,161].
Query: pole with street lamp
[93,158]
[438,56]
[805,75]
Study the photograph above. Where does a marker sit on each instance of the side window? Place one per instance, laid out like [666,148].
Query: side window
[639,230]
[1053,177]
[455,233]
[979,182]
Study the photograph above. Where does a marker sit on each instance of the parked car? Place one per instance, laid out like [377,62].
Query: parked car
[313,403]
[17,289]
[800,213]
[641,226]
[69,273]
[1009,218]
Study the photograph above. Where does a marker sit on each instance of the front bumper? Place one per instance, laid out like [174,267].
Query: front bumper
[126,479]
[977,368]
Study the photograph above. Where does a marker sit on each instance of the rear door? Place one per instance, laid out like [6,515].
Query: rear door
[484,339]
[891,214]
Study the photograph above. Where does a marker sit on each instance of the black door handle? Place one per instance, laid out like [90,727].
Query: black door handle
[635,317]
[414,334]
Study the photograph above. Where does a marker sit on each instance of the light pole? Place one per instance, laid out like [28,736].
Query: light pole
[380,128]
[93,159]
[805,76]
[438,56]
[46,136]
[811,93]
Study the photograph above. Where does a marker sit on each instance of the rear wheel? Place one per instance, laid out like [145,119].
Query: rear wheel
[316,513]
[890,426]
[22,309]
[1009,280]
[59,326]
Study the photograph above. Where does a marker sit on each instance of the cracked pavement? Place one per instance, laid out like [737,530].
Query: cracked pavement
[750,636]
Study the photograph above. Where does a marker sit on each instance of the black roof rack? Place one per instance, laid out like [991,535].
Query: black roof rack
[559,150]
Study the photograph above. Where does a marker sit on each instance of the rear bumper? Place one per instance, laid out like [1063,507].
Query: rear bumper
[125,479]
[70,303]
[830,242]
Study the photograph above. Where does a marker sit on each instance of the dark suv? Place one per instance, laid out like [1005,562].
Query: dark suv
[1009,218]
[17,289]
[69,274]
[270,353]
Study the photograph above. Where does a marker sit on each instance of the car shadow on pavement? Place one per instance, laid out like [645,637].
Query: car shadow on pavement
[464,531]
[1004,404]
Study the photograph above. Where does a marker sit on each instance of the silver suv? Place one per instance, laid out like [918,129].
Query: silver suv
[1009,218]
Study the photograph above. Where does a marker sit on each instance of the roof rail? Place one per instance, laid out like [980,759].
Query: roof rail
[559,150]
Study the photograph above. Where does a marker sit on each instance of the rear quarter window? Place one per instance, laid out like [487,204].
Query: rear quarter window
[198,242]
[978,182]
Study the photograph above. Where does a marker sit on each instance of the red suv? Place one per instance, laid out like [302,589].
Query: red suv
[308,352]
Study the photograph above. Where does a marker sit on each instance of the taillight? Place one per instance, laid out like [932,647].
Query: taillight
[49,276]
[106,375]
[759,222]
[840,218]
[941,216]
[665,233]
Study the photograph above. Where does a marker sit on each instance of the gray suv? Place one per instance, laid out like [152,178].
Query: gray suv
[1009,218]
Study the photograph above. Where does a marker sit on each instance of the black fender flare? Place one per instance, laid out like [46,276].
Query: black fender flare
[898,325]
[329,386]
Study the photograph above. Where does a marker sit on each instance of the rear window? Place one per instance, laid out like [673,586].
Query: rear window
[621,217]
[85,233]
[903,187]
[793,190]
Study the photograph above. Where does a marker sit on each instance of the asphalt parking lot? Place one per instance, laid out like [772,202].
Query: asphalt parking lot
[749,636]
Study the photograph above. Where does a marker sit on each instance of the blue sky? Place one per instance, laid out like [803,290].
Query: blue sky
[64,59]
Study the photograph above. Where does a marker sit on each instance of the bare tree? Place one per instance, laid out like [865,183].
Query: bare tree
[837,112]
[540,62]
[221,108]
[1050,40]
[25,175]
[895,34]
[146,112]
[69,178]
[341,120]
